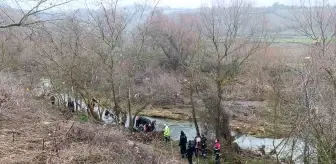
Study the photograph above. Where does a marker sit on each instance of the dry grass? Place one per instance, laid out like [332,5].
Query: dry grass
[174,113]
[32,132]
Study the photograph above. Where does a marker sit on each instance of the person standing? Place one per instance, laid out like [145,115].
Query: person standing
[197,144]
[217,148]
[183,144]
[190,152]
[52,99]
[166,133]
[203,145]
[71,105]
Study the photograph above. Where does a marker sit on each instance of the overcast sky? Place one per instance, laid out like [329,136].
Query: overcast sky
[197,3]
[170,3]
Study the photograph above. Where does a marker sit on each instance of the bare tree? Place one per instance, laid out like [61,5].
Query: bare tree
[180,41]
[109,28]
[175,36]
[137,59]
[30,16]
[316,21]
[232,37]
[65,62]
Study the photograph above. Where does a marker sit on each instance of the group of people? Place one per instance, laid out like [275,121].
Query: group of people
[70,103]
[144,124]
[197,147]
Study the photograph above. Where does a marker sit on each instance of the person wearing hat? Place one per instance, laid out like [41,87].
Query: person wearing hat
[166,133]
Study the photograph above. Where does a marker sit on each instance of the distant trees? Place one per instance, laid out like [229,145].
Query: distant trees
[176,37]
[278,6]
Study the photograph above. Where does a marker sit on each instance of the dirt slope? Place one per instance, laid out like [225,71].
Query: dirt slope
[32,132]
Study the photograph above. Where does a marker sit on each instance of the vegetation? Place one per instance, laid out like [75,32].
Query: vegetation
[220,67]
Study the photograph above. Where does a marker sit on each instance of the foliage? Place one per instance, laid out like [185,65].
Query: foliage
[83,118]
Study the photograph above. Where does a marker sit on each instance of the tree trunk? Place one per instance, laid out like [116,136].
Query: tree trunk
[99,112]
[75,104]
[307,105]
[218,106]
[116,103]
[131,124]
[58,101]
[306,152]
[222,119]
[193,109]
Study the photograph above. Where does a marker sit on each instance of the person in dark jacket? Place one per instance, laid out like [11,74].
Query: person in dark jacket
[197,144]
[203,145]
[183,144]
[71,105]
[141,121]
[107,113]
[190,151]
[52,99]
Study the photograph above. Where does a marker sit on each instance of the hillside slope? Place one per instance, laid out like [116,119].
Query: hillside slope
[32,132]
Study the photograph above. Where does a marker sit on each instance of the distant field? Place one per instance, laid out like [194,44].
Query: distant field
[295,40]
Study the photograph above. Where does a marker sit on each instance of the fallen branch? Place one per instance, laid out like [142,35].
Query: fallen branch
[66,134]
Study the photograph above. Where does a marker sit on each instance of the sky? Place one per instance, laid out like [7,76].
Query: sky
[198,3]
[167,3]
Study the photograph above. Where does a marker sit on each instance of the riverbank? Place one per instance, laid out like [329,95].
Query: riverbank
[245,124]
[168,113]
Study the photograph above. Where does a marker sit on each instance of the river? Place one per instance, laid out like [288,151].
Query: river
[286,147]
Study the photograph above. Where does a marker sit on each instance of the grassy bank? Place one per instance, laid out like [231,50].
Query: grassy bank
[227,157]
[172,113]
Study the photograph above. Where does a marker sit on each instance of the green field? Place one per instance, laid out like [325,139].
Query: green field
[295,40]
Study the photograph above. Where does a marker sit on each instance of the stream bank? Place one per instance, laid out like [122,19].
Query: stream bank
[245,122]
[240,123]
[285,147]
